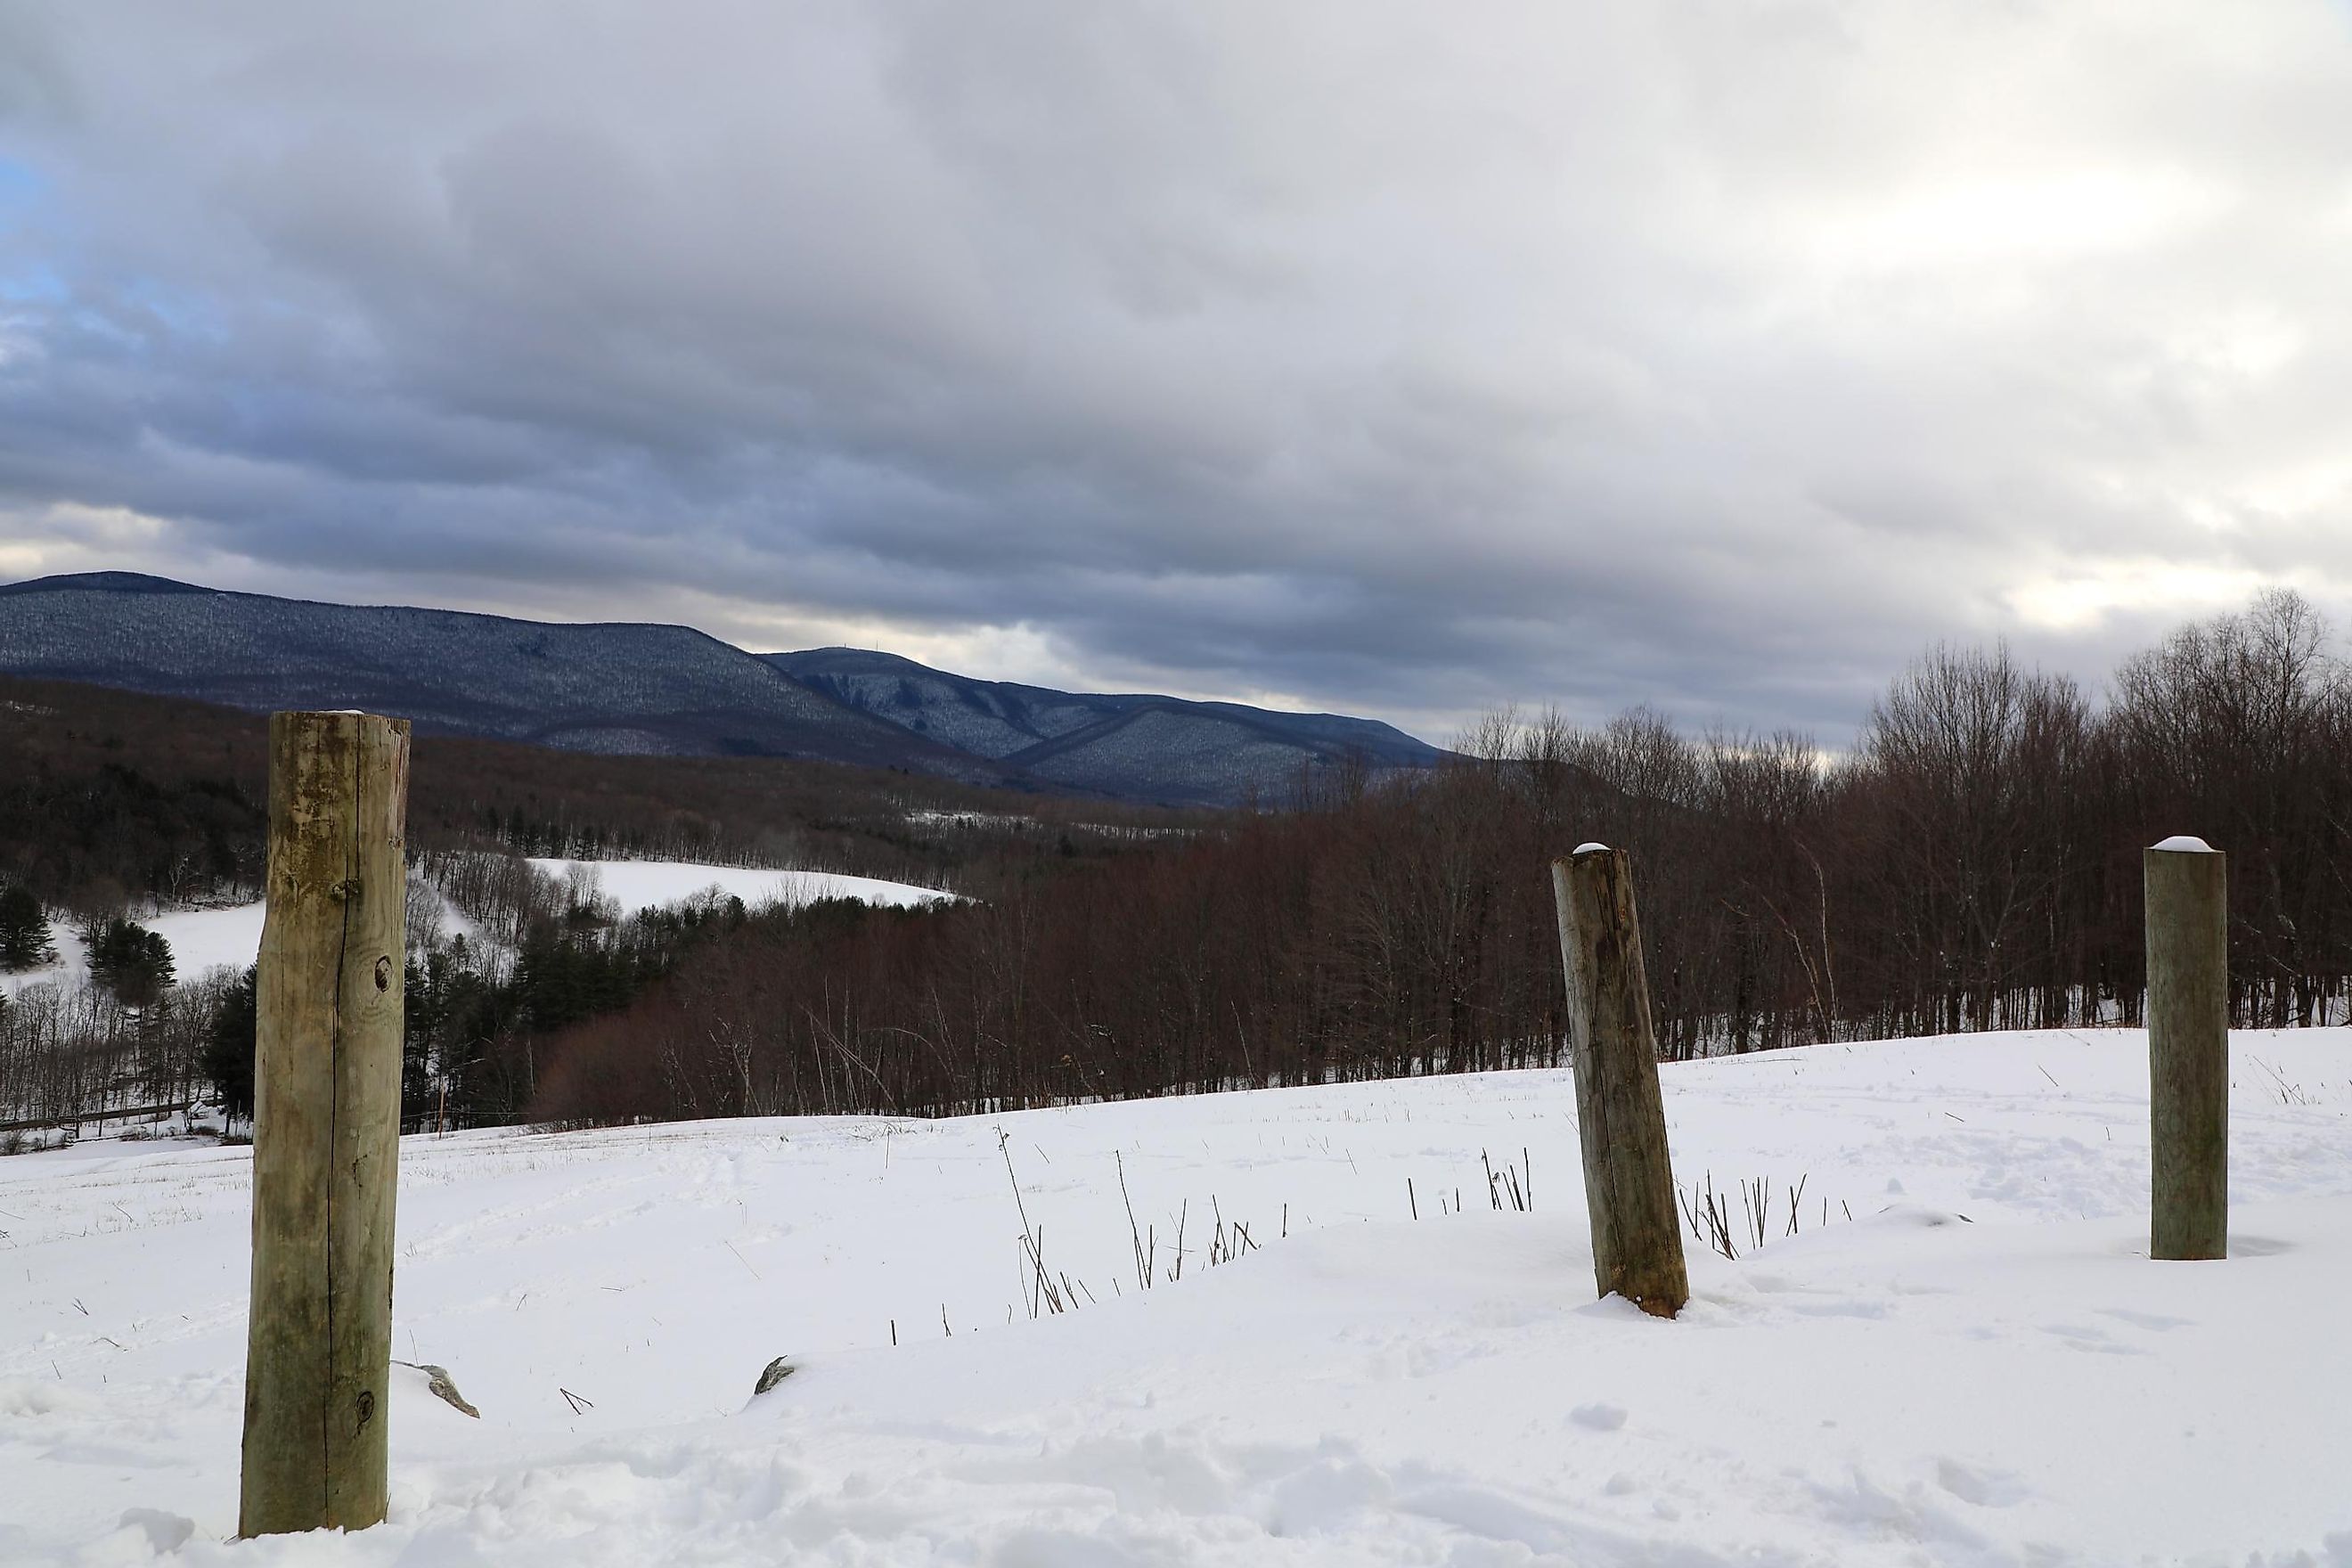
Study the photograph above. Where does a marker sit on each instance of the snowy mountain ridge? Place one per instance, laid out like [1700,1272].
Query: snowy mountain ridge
[1096,741]
[647,688]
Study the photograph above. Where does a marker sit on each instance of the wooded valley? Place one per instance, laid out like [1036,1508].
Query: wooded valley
[1972,864]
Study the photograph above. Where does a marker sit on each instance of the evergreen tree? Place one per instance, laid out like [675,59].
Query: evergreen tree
[229,1048]
[23,931]
[130,962]
[436,986]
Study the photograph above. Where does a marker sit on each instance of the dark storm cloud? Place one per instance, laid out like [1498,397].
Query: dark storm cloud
[1383,357]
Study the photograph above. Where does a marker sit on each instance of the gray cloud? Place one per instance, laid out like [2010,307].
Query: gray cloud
[1381,357]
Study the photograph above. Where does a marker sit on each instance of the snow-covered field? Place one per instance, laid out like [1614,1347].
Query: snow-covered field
[1979,1367]
[201,939]
[635,884]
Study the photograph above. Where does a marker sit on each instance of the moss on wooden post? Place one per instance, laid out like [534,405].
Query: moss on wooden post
[326,1145]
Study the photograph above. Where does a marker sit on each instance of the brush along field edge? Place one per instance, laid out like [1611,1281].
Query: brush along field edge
[1629,1184]
[326,1125]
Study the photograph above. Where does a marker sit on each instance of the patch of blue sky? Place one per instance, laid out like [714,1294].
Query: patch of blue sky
[185,311]
[24,280]
[20,182]
[34,283]
[131,316]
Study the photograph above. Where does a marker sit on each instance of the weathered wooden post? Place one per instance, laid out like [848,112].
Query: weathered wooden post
[2187,885]
[326,1125]
[1629,1186]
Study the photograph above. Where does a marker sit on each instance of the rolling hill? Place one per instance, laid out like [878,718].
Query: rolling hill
[618,687]
[628,688]
[1162,748]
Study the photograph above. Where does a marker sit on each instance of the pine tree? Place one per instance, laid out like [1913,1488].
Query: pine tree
[131,962]
[229,1048]
[23,931]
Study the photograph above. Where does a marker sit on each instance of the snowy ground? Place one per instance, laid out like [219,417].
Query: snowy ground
[638,883]
[201,939]
[2018,1386]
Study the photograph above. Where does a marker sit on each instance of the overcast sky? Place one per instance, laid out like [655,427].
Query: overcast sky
[1399,359]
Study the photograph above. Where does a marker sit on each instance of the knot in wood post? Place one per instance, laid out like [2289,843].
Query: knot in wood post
[1621,1117]
[326,1144]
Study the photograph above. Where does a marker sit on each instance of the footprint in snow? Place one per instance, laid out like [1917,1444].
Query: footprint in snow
[2083,1338]
[1599,1417]
[2155,1322]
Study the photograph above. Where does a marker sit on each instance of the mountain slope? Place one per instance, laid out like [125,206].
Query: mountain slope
[1161,748]
[618,687]
[631,688]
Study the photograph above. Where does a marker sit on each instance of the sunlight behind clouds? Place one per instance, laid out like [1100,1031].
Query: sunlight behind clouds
[2041,216]
[2087,597]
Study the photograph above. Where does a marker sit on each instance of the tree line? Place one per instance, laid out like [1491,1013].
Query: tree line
[1972,863]
[115,804]
[547,951]
[113,800]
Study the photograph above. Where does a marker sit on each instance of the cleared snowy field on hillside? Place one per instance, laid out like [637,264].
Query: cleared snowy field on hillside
[2020,1386]
[635,884]
[201,939]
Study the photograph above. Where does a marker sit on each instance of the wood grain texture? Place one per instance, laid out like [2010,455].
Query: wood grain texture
[326,1145]
[2187,1053]
[1629,1182]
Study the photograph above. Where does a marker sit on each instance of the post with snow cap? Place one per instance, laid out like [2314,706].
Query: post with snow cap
[326,1125]
[1621,1116]
[2188,1048]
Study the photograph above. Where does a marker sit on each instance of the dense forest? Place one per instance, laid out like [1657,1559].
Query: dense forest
[1972,863]
[113,798]
[113,804]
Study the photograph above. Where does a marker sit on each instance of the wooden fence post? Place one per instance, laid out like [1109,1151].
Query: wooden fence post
[1621,1117]
[326,1125]
[2187,887]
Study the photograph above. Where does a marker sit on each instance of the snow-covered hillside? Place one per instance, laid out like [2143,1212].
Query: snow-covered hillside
[615,686]
[201,939]
[1978,1367]
[1124,744]
[635,884]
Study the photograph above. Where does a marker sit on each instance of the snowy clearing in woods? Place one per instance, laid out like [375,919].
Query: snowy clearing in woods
[202,939]
[637,884]
[1980,1366]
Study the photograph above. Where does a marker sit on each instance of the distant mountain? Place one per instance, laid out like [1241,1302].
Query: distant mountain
[619,688]
[626,688]
[1133,745]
